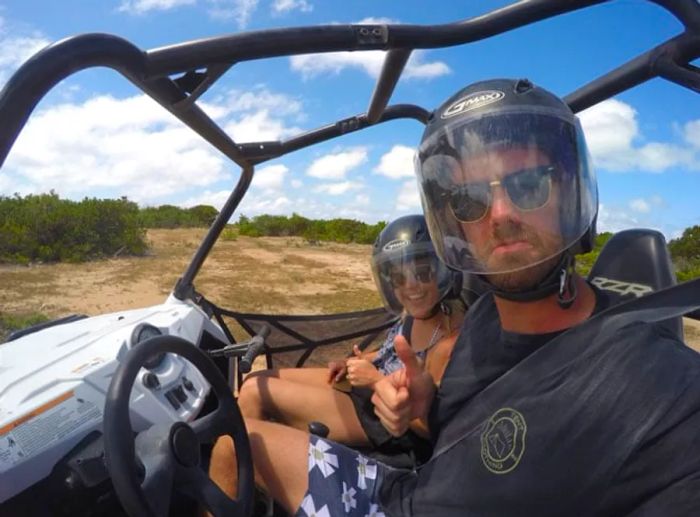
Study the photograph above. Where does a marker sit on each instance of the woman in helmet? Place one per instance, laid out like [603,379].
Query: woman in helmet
[413,283]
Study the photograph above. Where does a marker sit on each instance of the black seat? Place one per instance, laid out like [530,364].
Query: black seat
[636,262]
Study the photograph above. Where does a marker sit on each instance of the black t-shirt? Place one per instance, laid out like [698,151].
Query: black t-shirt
[596,425]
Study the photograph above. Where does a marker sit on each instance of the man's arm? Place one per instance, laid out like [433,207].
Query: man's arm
[406,394]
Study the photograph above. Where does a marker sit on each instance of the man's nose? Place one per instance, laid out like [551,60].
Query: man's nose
[501,205]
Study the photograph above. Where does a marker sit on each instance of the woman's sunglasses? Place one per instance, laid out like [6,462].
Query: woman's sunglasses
[527,189]
[423,273]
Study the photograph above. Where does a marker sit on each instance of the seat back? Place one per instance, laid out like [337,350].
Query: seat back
[636,262]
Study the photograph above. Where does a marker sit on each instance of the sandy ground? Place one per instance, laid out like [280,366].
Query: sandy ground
[276,275]
[253,266]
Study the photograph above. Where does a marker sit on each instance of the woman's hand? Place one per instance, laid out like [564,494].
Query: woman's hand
[336,371]
[361,372]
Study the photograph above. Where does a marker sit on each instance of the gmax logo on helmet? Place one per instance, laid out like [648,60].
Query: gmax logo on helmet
[472,101]
[395,244]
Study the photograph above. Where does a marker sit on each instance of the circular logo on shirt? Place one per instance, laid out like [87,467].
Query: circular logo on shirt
[503,441]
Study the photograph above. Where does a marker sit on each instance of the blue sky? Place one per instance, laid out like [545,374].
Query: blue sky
[96,135]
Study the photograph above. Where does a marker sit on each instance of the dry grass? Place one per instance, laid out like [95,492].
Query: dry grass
[277,275]
[267,274]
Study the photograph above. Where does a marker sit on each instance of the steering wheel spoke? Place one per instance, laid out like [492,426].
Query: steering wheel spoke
[213,425]
[158,483]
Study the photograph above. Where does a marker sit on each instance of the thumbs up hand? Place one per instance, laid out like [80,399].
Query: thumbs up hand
[404,395]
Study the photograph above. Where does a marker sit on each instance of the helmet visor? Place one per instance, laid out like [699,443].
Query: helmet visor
[505,192]
[399,269]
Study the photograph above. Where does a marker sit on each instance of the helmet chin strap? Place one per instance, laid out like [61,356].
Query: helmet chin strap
[559,280]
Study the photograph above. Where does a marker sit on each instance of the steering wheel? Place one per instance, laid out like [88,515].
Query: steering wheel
[145,469]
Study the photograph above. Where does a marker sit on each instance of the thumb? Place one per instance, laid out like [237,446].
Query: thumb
[408,357]
[356,350]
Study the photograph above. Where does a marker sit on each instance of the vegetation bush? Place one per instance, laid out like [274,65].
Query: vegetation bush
[169,216]
[585,262]
[335,230]
[47,229]
[12,322]
[230,233]
[685,254]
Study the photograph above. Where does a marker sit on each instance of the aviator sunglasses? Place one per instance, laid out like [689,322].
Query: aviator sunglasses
[423,273]
[528,189]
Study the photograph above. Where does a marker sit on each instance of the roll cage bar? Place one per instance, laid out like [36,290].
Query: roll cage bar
[177,75]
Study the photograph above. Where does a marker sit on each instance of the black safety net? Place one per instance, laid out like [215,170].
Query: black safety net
[314,340]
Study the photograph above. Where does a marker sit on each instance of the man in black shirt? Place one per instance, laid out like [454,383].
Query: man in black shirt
[538,413]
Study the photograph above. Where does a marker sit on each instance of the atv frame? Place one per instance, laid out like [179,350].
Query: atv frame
[177,76]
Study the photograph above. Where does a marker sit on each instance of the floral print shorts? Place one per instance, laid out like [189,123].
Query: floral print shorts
[341,482]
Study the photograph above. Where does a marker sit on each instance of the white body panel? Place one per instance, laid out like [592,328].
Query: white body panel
[53,385]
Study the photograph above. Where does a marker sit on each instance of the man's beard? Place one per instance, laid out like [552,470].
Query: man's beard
[524,279]
[526,269]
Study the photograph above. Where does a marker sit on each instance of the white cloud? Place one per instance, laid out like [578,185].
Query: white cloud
[312,65]
[9,187]
[259,126]
[614,219]
[261,98]
[640,205]
[144,6]
[239,10]
[337,189]
[250,206]
[362,200]
[397,163]
[255,205]
[260,114]
[645,206]
[408,197]
[283,6]
[612,133]
[691,133]
[297,183]
[112,147]
[16,48]
[270,177]
[335,166]
[215,199]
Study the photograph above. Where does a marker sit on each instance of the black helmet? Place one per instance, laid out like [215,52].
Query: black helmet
[462,159]
[404,245]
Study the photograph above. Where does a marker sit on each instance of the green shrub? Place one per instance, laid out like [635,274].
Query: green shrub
[585,262]
[229,234]
[48,229]
[685,254]
[313,230]
[12,322]
[170,216]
